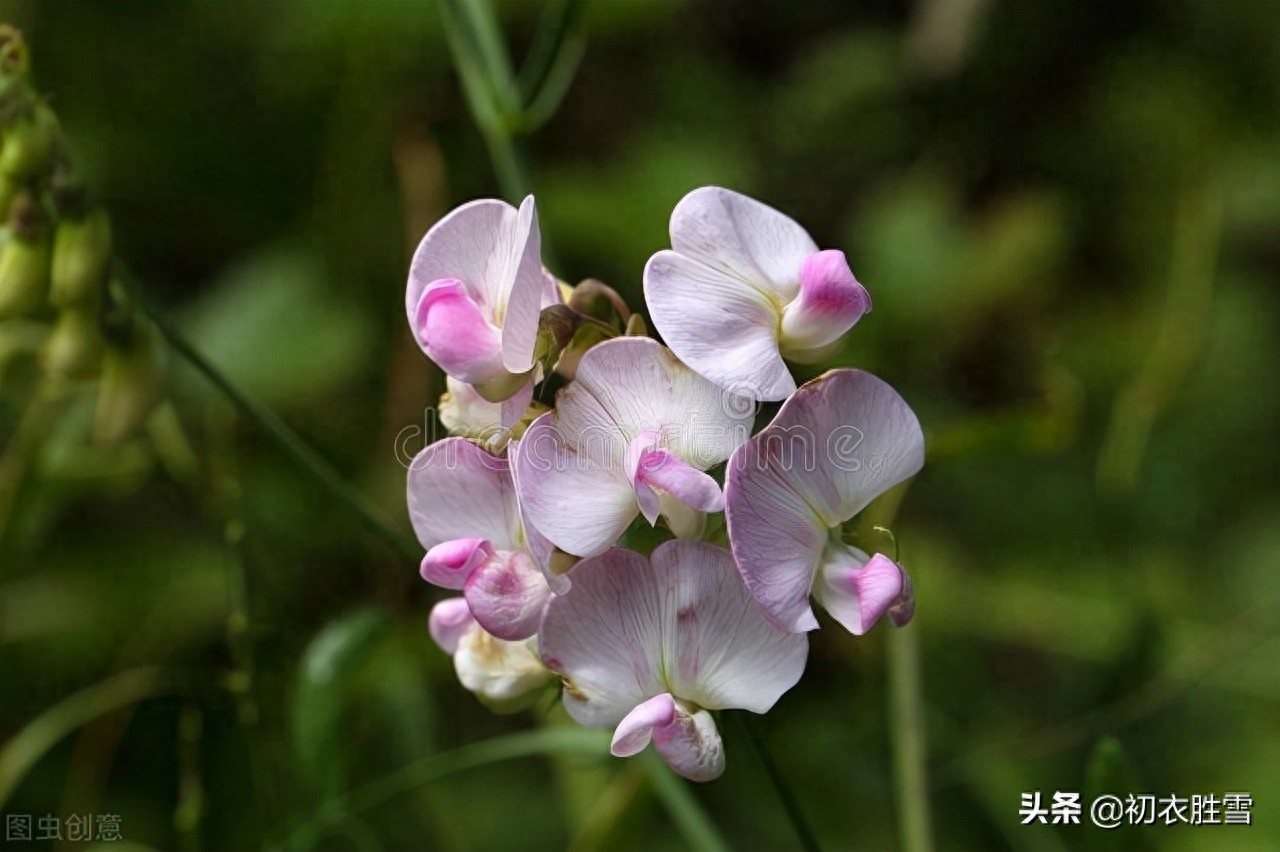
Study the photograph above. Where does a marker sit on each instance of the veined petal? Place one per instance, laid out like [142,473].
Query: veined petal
[507,595]
[722,327]
[457,490]
[742,237]
[859,439]
[450,563]
[857,590]
[573,493]
[461,245]
[455,334]
[604,638]
[638,385]
[538,545]
[831,300]
[720,651]
[688,742]
[449,619]
[514,407]
[529,290]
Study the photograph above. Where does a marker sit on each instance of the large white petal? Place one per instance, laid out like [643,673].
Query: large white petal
[463,245]
[740,236]
[639,385]
[573,493]
[863,439]
[718,324]
[528,289]
[457,490]
[720,651]
[604,638]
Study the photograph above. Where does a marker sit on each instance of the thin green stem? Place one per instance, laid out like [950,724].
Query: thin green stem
[294,447]
[906,732]
[698,830]
[790,802]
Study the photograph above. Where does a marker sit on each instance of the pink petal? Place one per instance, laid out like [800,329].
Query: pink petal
[661,470]
[573,493]
[635,731]
[857,591]
[507,595]
[530,289]
[450,563]
[457,490]
[831,300]
[742,237]
[449,619]
[689,743]
[461,245]
[539,547]
[454,333]
[722,327]
[604,638]
[720,651]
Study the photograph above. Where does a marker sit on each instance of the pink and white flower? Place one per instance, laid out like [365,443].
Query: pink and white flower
[649,647]
[505,676]
[744,286]
[476,289]
[633,434]
[463,505]
[841,441]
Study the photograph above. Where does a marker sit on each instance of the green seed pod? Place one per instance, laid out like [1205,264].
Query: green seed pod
[24,275]
[130,387]
[74,347]
[81,258]
[29,144]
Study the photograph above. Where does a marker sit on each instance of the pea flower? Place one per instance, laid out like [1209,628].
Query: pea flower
[744,286]
[505,676]
[648,647]
[842,440]
[633,434]
[462,502]
[476,289]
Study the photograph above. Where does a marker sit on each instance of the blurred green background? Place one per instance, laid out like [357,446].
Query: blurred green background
[1068,216]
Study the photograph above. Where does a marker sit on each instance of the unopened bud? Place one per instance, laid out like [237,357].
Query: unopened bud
[29,144]
[74,347]
[599,300]
[81,259]
[130,387]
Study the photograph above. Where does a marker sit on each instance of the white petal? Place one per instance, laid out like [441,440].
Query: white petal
[531,288]
[719,650]
[457,490]
[638,385]
[538,545]
[497,670]
[722,327]
[604,638]
[740,236]
[463,411]
[449,620]
[463,245]
[573,493]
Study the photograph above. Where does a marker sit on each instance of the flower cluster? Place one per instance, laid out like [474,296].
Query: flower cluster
[522,511]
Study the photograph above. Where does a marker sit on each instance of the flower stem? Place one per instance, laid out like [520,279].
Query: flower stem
[906,732]
[790,802]
[294,447]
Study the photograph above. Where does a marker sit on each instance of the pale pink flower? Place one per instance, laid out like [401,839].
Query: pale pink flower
[649,647]
[742,287]
[506,676]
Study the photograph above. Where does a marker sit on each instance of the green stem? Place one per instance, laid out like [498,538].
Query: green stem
[270,423]
[790,802]
[698,830]
[906,695]
[906,732]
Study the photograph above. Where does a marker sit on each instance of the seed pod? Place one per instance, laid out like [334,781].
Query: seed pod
[29,144]
[81,258]
[74,347]
[130,387]
[24,269]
